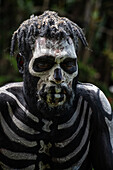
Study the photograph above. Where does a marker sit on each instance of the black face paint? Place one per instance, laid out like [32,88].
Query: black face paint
[69,65]
[57,75]
[56,110]
[43,63]
[20,62]
[41,130]
[56,67]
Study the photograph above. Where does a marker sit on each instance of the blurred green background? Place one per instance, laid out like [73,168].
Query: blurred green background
[94,16]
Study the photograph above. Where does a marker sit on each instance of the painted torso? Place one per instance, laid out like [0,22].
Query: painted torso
[29,142]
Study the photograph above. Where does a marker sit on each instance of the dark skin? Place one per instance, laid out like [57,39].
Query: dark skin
[100,149]
[99,155]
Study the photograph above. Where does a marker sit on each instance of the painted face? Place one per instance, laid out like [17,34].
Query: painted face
[54,62]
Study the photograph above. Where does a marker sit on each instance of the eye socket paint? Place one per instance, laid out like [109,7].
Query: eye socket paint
[60,57]
[69,65]
[43,63]
[60,50]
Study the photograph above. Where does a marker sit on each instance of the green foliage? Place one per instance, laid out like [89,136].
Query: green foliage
[12,62]
[109,54]
[9,73]
[87,73]
[26,5]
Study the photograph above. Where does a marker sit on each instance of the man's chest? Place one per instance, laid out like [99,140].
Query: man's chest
[39,144]
[43,152]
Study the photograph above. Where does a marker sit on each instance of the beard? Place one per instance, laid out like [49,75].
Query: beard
[54,101]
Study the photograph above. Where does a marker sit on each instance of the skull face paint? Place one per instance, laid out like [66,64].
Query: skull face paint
[54,62]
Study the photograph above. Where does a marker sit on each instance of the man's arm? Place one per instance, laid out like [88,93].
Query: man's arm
[102,136]
[101,141]
[101,151]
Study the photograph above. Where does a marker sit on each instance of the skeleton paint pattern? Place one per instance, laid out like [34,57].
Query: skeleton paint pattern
[22,127]
[29,150]
[51,121]
[106,107]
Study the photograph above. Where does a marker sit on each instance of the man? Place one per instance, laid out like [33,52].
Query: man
[50,120]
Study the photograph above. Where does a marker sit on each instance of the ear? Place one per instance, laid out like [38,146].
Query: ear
[20,62]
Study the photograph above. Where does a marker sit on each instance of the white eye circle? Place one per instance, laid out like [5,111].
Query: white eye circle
[41,65]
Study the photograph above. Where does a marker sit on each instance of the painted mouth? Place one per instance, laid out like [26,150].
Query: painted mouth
[54,96]
[55,99]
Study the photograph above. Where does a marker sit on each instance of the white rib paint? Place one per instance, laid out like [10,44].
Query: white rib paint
[82,143]
[5,167]
[67,141]
[13,136]
[18,155]
[31,116]
[80,162]
[70,122]
[32,167]
[20,124]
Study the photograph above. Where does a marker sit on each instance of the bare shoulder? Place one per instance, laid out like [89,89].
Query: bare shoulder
[95,97]
[8,93]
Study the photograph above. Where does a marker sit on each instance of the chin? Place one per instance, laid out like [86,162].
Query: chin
[55,105]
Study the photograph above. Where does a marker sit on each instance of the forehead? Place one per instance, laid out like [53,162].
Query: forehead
[55,48]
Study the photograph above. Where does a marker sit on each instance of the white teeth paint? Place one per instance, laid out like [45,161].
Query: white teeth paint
[59,51]
[57,90]
[54,99]
[57,96]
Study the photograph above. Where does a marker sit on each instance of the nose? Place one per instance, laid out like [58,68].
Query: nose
[58,75]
